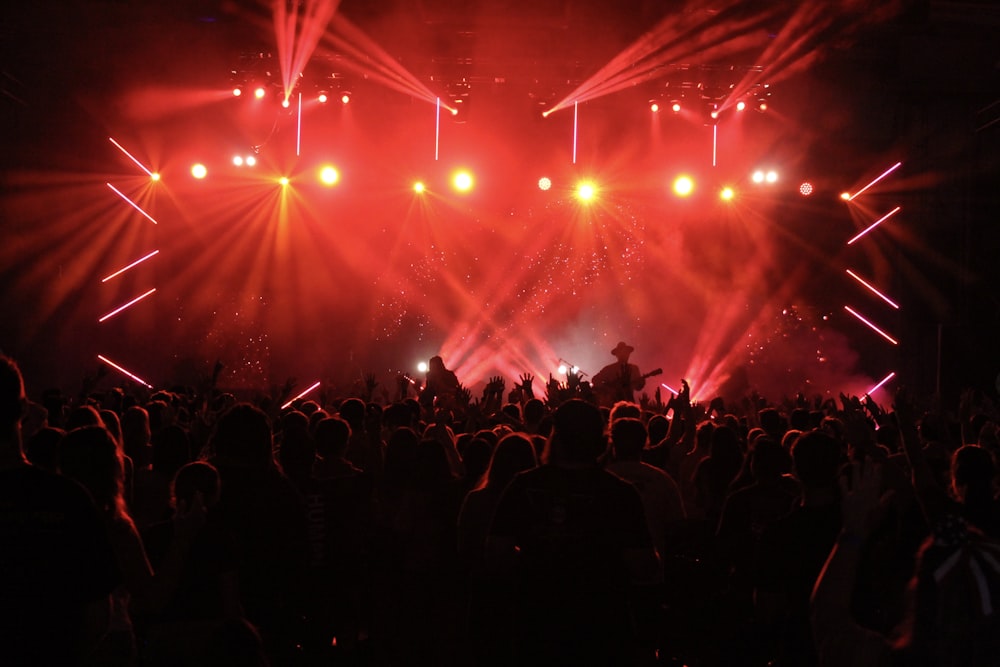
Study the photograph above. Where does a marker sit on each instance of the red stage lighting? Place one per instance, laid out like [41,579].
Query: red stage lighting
[544,183]
[675,106]
[683,186]
[328,175]
[345,98]
[806,189]
[419,187]
[462,181]
[259,93]
[322,98]
[199,170]
[741,105]
[237,92]
[727,194]
[586,191]
[654,107]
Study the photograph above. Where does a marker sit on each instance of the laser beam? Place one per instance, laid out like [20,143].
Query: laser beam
[872,288]
[131,157]
[883,175]
[126,268]
[879,385]
[130,303]
[123,371]
[875,224]
[871,326]
[669,388]
[133,204]
[315,384]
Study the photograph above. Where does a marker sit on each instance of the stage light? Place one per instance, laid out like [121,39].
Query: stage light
[762,106]
[563,369]
[132,203]
[124,372]
[259,92]
[199,170]
[123,307]
[345,98]
[155,176]
[873,289]
[544,183]
[879,178]
[727,194]
[237,92]
[419,187]
[771,176]
[683,186]
[846,196]
[284,180]
[422,367]
[758,176]
[313,386]
[675,106]
[586,191]
[462,181]
[714,113]
[871,325]
[879,385]
[654,107]
[322,98]
[328,175]
[238,160]
[875,224]
[250,161]
[806,189]
[133,264]
[741,105]
[285,103]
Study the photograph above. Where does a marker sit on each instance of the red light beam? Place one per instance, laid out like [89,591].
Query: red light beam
[316,384]
[130,303]
[126,268]
[131,157]
[875,224]
[669,388]
[884,174]
[872,326]
[879,385]
[132,204]
[123,371]
[872,288]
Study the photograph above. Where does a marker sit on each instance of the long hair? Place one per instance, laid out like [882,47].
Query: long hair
[90,455]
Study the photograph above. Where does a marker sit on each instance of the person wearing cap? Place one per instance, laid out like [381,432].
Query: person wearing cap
[620,380]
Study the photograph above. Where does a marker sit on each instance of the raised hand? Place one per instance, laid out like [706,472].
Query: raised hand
[370,384]
[463,396]
[526,380]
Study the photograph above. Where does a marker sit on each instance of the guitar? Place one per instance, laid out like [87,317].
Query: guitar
[610,392]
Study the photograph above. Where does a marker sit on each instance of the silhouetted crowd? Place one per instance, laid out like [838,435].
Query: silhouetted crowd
[187,527]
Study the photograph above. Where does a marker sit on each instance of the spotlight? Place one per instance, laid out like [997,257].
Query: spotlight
[328,175]
[762,106]
[741,105]
[345,98]
[727,194]
[675,106]
[419,187]
[199,171]
[284,181]
[259,92]
[771,176]
[422,367]
[806,189]
[322,97]
[250,161]
[285,103]
[654,106]
[714,113]
[683,186]
[238,160]
[758,176]
[586,191]
[462,181]
[155,176]
[846,196]
[237,91]
[544,183]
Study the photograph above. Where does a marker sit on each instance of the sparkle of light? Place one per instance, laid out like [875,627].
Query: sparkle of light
[544,183]
[806,189]
[585,191]
[462,181]
[251,161]
[419,187]
[683,186]
[654,107]
[199,170]
[422,367]
[322,98]
[726,194]
[328,175]
[771,177]
[259,93]
[345,98]
[283,180]
[758,176]
[238,160]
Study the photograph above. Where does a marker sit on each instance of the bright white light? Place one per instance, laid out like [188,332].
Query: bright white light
[251,161]
[237,92]
[155,176]
[585,191]
[419,187]
[741,105]
[199,170]
[462,181]
[683,186]
[544,183]
[806,189]
[726,194]
[563,369]
[676,107]
[758,176]
[285,103]
[238,160]
[771,177]
[422,367]
[328,175]
[284,180]
[322,98]
[654,107]
[345,98]
[259,93]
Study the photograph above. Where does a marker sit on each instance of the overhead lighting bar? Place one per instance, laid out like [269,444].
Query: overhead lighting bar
[872,288]
[131,157]
[879,385]
[875,224]
[884,174]
[130,303]
[124,269]
[871,326]
[316,384]
[124,372]
[133,204]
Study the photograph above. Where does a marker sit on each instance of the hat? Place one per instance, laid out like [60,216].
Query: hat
[622,348]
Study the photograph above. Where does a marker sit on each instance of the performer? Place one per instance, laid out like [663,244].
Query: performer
[618,381]
[440,387]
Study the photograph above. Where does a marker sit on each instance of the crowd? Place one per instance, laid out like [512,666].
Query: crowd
[185,527]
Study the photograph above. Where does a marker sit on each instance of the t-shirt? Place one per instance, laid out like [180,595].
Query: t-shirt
[55,560]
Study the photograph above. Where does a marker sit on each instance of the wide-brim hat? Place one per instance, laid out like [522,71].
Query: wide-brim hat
[622,348]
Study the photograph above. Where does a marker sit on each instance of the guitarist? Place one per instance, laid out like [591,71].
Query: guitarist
[618,381]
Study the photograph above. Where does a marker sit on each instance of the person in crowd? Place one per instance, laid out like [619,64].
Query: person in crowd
[573,540]
[620,380]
